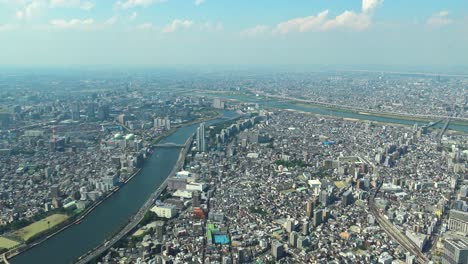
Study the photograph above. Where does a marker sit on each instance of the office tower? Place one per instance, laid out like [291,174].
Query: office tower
[317,220]
[309,208]
[218,103]
[290,225]
[347,198]
[455,251]
[75,110]
[159,230]
[324,197]
[196,199]
[458,221]
[293,236]
[305,228]
[90,109]
[201,140]
[103,112]
[167,123]
[277,250]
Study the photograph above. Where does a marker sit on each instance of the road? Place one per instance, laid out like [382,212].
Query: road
[5,259]
[139,215]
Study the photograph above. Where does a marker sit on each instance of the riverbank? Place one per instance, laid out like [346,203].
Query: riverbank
[135,220]
[72,221]
[337,111]
[76,219]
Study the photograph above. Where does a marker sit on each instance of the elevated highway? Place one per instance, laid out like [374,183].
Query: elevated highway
[136,219]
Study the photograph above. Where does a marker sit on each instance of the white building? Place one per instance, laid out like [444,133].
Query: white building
[165,211]
[315,185]
[195,186]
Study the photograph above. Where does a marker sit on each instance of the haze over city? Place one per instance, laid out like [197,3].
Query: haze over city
[234,132]
[198,32]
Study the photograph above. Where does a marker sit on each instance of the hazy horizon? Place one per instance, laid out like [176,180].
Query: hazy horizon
[186,32]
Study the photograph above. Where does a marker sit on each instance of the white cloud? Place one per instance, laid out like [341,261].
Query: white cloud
[369,5]
[302,24]
[137,3]
[133,16]
[7,27]
[30,10]
[321,22]
[145,26]
[255,31]
[349,20]
[111,21]
[85,5]
[199,2]
[208,26]
[439,19]
[177,25]
[72,23]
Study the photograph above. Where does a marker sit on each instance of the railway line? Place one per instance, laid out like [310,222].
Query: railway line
[393,232]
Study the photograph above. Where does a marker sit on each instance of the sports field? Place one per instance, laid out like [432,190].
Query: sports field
[7,243]
[35,228]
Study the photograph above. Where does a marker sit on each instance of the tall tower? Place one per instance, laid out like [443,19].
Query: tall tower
[310,208]
[201,140]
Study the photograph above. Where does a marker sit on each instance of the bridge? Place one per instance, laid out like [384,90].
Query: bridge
[444,129]
[170,145]
[431,124]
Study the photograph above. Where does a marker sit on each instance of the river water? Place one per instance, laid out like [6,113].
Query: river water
[113,213]
[274,103]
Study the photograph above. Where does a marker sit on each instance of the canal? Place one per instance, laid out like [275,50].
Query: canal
[113,213]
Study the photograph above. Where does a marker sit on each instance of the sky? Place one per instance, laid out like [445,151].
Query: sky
[234,32]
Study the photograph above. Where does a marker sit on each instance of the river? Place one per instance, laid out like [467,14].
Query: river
[275,103]
[114,212]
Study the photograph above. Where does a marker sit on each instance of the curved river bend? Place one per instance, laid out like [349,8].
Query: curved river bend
[114,212]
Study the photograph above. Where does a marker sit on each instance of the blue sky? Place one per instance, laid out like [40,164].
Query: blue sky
[258,32]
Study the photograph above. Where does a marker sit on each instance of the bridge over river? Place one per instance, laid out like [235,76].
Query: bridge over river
[169,145]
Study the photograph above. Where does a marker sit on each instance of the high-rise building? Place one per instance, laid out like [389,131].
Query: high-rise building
[196,199]
[201,139]
[167,123]
[455,251]
[305,228]
[309,208]
[277,250]
[293,236]
[218,103]
[317,220]
[103,112]
[458,221]
[90,109]
[290,225]
[75,111]
[347,198]
[159,230]
[324,197]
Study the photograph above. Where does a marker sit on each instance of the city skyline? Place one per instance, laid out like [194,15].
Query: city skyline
[185,32]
